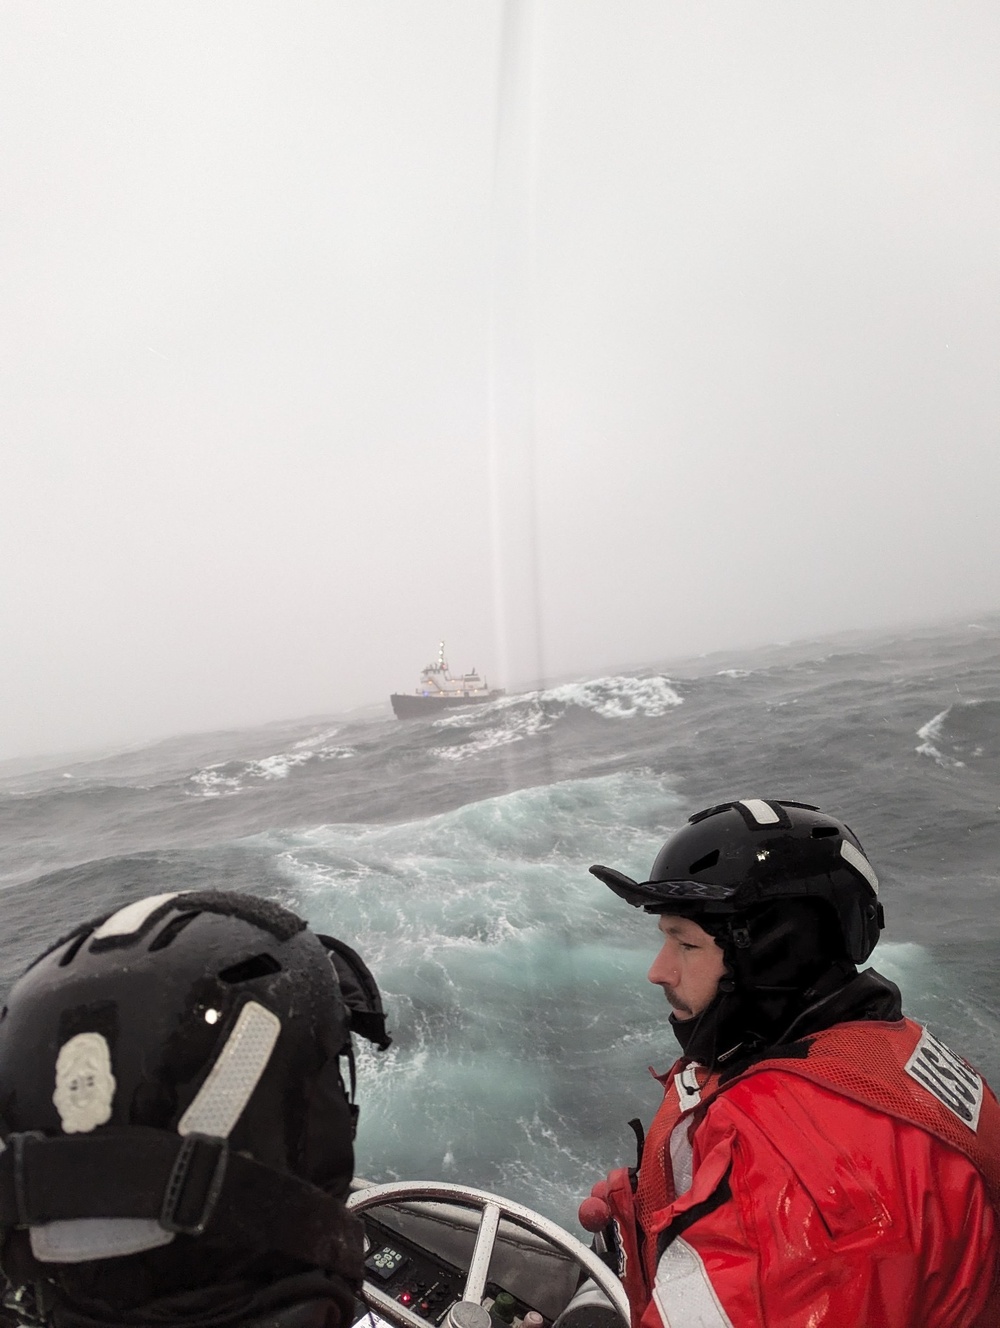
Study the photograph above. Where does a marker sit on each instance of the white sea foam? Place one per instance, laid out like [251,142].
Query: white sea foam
[514,727]
[514,718]
[481,872]
[276,767]
[932,733]
[212,783]
[619,697]
[967,731]
[478,922]
[316,739]
[231,777]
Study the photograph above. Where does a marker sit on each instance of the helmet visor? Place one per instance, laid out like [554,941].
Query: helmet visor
[658,896]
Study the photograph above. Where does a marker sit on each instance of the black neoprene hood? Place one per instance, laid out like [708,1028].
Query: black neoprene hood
[736,856]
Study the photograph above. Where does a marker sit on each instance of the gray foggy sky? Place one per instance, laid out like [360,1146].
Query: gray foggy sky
[309,357]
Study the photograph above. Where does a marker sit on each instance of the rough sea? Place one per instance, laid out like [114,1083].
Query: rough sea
[453,854]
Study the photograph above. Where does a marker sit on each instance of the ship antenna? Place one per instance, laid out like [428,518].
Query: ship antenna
[441,664]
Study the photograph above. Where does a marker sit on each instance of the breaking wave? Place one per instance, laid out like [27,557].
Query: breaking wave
[930,733]
[227,778]
[503,964]
[620,697]
[514,718]
[964,732]
[514,726]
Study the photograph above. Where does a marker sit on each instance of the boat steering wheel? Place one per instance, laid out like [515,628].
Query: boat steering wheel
[468,1312]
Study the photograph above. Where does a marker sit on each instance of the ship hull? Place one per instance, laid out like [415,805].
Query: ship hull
[410,705]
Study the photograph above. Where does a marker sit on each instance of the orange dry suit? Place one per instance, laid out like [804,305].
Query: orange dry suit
[850,1179]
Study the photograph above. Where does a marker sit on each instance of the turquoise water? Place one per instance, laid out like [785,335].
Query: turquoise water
[454,856]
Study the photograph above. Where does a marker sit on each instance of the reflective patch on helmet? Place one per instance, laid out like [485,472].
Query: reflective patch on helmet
[84,1238]
[952,1081]
[130,919]
[762,812]
[850,853]
[241,1062]
[85,1086]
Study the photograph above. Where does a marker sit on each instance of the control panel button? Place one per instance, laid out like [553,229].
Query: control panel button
[384,1262]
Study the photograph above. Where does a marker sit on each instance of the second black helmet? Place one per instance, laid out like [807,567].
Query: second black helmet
[738,855]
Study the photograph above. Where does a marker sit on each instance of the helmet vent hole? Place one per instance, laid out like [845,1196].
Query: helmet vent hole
[703,864]
[823,831]
[172,930]
[72,950]
[258,966]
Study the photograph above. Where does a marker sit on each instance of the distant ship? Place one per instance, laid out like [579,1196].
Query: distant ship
[438,691]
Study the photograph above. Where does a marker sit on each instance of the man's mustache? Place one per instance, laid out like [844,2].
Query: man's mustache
[676,1002]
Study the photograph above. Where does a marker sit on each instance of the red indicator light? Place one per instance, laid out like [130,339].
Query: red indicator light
[405,1297]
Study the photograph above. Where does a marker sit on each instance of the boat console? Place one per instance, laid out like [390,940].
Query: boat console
[456,1257]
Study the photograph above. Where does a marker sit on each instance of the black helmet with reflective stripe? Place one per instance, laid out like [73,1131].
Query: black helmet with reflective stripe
[730,858]
[175,1070]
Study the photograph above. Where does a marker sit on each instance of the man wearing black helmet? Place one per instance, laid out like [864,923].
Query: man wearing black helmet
[177,1138]
[818,1159]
